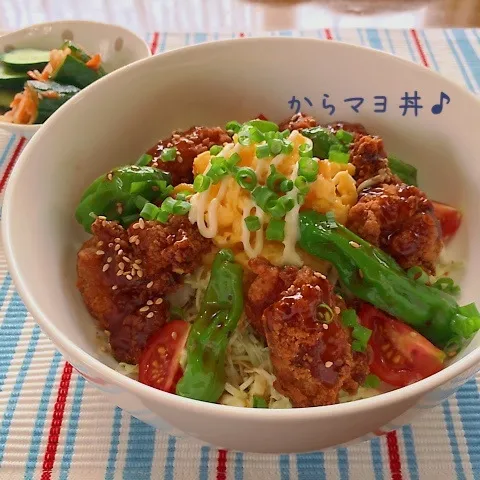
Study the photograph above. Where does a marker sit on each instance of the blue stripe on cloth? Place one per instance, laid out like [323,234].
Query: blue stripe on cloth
[374,38]
[168,474]
[343,464]
[458,61]
[457,459]
[389,40]
[7,148]
[17,388]
[284,467]
[469,54]
[42,411]
[468,400]
[377,460]
[360,36]
[285,33]
[163,43]
[428,47]
[238,472]
[408,41]
[477,35]
[187,39]
[71,436]
[199,37]
[311,466]
[140,449]
[410,452]
[336,34]
[114,441]
[204,463]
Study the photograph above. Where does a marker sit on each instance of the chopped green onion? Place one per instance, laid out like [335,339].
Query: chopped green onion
[305,150]
[201,183]
[358,346]
[217,172]
[287,202]
[308,168]
[233,160]
[286,186]
[270,135]
[215,149]
[182,195]
[262,151]
[287,148]
[277,210]
[331,220]
[465,326]
[246,178]
[338,157]
[418,274]
[264,197]
[349,318]
[168,204]
[300,198]
[252,223]
[275,230]
[140,201]
[324,313]
[233,126]
[259,402]
[469,310]
[144,160]
[372,381]
[274,179]
[127,220]
[163,216]
[276,146]
[264,125]
[344,136]
[169,154]
[361,333]
[285,134]
[302,185]
[220,161]
[249,134]
[447,285]
[149,211]
[181,207]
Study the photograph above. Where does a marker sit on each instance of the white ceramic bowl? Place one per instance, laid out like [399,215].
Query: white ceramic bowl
[117,46]
[120,116]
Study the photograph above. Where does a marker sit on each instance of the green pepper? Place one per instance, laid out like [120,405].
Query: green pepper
[122,193]
[375,277]
[222,306]
[406,172]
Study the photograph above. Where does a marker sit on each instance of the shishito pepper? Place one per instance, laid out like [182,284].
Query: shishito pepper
[121,194]
[375,277]
[222,306]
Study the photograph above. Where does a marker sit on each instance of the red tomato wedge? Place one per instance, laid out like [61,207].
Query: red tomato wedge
[261,116]
[450,219]
[159,364]
[401,355]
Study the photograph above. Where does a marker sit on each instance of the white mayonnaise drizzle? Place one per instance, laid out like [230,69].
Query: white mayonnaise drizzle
[252,252]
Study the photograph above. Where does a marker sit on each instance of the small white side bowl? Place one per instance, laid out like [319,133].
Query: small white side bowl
[117,46]
[119,117]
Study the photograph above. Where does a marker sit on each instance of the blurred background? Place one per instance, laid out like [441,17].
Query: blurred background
[246,15]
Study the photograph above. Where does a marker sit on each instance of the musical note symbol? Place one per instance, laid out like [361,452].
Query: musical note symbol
[437,108]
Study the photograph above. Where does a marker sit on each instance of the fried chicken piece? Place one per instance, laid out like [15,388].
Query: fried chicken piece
[189,144]
[400,220]
[299,121]
[123,276]
[266,288]
[312,359]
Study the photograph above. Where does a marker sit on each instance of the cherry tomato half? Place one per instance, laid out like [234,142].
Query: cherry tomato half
[401,355]
[159,364]
[450,219]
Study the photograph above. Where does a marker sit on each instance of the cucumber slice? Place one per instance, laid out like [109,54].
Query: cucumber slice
[80,54]
[73,71]
[6,98]
[50,96]
[25,59]
[11,80]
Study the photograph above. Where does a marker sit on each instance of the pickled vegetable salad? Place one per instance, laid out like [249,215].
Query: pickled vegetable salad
[278,189]
[36,83]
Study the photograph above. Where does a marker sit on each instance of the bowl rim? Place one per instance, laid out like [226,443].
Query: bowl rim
[28,130]
[181,403]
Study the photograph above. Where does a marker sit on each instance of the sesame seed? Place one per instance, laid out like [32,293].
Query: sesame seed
[328,364]
[137,242]
[120,272]
[110,245]
[105,267]
[360,273]
[109,260]
[99,244]
[121,266]
[132,272]
[100,252]
[117,247]
[150,315]
[149,302]
[140,273]
[325,326]
[114,287]
[138,262]
[101,217]
[135,267]
[126,259]
[119,208]
[141,223]
[158,301]
[129,277]
[337,310]
[133,238]
[145,309]
[149,284]
[117,240]
[110,176]
[174,335]
[135,226]
[120,252]
[354,244]
[319,275]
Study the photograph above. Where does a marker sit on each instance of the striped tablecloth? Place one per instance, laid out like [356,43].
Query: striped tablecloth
[53,425]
